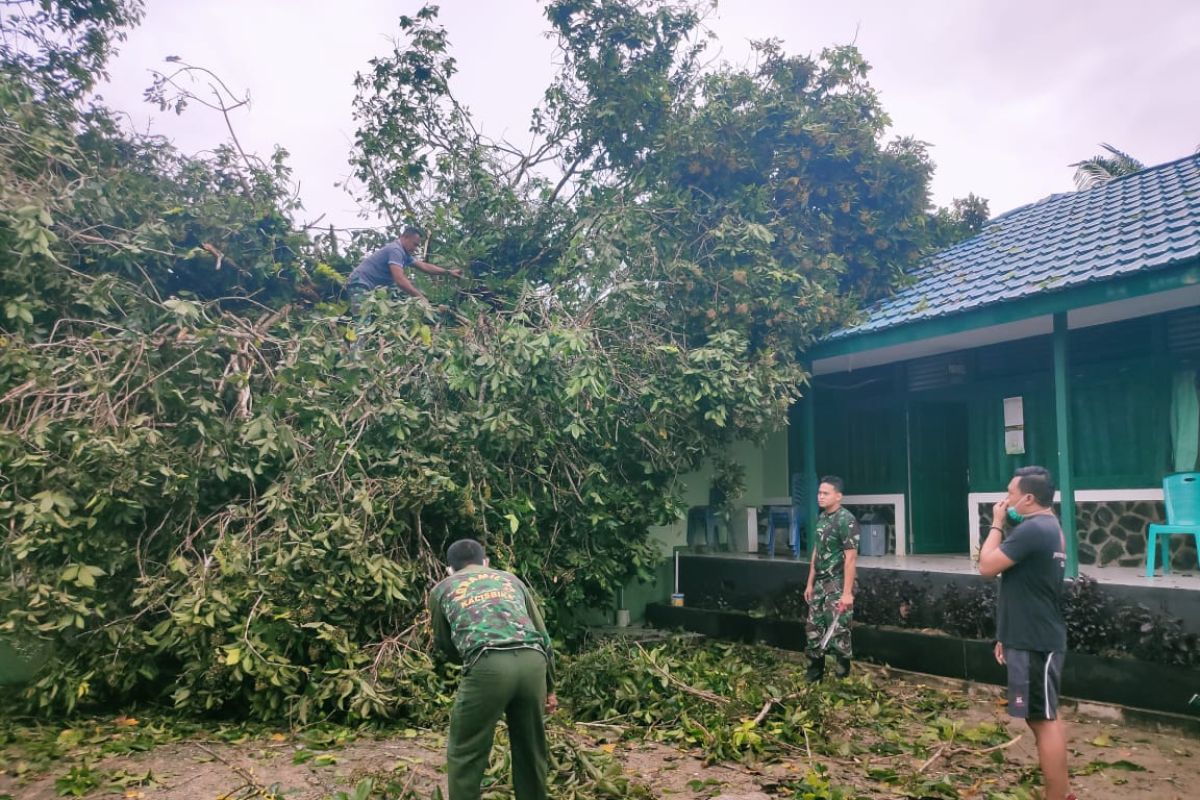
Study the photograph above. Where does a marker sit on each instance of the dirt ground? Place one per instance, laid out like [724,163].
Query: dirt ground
[1109,759]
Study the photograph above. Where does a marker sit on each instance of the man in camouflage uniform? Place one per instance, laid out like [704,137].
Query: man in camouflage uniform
[830,590]
[487,620]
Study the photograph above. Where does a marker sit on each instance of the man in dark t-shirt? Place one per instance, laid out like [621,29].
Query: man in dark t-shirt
[1031,633]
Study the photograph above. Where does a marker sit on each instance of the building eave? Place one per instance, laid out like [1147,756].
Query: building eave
[1149,282]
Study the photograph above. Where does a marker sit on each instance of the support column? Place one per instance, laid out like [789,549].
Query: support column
[810,461]
[1062,425]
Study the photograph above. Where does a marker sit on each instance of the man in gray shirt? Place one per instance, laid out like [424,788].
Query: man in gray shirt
[385,267]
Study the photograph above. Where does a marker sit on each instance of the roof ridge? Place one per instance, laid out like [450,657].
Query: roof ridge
[1190,157]
[1107,184]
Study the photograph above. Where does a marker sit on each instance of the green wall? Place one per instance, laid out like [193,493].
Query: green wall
[990,466]
[1119,424]
[1120,393]
[20,662]
[1120,380]
[1119,412]
[763,479]
[860,426]
[863,442]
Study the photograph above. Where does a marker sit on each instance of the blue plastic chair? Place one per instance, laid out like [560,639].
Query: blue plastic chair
[800,492]
[799,529]
[784,517]
[1181,494]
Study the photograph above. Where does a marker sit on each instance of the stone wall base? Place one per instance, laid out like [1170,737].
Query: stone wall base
[1113,533]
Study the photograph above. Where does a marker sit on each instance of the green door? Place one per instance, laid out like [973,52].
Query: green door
[938,453]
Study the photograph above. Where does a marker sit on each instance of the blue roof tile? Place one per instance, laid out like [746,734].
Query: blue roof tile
[1145,221]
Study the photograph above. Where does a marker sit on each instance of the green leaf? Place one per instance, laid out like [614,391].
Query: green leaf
[1094,767]
[184,309]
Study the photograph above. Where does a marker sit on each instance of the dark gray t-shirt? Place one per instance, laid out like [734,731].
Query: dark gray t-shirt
[374,272]
[1029,610]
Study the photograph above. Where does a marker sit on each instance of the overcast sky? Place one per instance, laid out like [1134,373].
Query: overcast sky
[1006,93]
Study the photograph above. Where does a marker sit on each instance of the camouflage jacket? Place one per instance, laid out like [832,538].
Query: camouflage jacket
[479,608]
[836,533]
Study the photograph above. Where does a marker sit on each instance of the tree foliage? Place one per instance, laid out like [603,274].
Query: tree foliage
[59,49]
[217,491]
[760,199]
[277,500]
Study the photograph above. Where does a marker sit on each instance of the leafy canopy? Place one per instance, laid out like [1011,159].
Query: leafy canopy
[219,492]
[762,199]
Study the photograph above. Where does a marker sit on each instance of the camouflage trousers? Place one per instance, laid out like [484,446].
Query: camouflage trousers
[822,612]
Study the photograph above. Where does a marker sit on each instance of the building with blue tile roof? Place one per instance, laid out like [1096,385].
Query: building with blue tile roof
[1066,333]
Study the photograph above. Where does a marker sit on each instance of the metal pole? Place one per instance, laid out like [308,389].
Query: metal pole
[1062,424]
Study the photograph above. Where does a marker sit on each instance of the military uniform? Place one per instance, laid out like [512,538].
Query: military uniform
[835,534]
[488,620]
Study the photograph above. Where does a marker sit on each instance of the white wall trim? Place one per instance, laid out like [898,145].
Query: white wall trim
[894,500]
[901,513]
[974,499]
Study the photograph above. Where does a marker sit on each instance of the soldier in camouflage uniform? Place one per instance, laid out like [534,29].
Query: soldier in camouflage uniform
[830,590]
[487,620]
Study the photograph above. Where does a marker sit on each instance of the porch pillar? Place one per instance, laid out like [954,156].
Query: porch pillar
[1062,425]
[810,460]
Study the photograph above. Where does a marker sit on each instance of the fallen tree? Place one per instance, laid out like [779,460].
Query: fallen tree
[218,492]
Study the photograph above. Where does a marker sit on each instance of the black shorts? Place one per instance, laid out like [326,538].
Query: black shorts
[1034,678]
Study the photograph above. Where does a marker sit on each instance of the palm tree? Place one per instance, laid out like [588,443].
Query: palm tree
[1099,170]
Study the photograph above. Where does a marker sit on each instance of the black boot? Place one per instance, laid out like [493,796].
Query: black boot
[843,667]
[816,668]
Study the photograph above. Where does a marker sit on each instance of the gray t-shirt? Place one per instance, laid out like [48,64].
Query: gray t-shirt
[374,270]
[1029,612]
